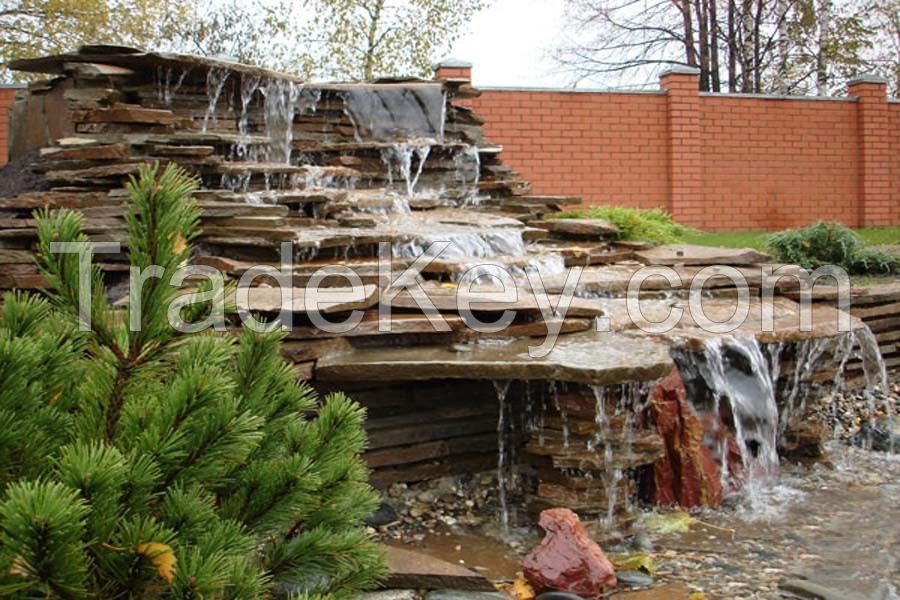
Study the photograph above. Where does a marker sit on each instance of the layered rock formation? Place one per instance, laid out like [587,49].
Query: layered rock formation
[340,177]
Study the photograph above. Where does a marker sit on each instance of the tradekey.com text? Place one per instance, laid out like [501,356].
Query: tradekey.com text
[488,297]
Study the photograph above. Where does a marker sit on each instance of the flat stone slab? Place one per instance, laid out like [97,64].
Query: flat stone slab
[687,254]
[688,333]
[802,588]
[578,227]
[589,357]
[414,570]
[868,294]
[484,298]
[329,300]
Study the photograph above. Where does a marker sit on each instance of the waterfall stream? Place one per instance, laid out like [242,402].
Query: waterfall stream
[503,466]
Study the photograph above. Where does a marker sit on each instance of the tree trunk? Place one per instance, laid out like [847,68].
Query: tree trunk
[689,50]
[714,46]
[746,57]
[757,55]
[372,40]
[732,47]
[781,11]
[703,33]
[823,16]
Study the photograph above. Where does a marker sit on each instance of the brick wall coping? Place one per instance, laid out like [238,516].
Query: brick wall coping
[552,90]
[13,86]
[738,96]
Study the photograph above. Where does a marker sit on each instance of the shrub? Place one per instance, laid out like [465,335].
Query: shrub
[829,243]
[145,464]
[648,225]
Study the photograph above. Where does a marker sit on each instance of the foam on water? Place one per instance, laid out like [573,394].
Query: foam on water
[463,244]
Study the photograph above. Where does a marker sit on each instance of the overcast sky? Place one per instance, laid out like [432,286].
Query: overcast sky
[509,42]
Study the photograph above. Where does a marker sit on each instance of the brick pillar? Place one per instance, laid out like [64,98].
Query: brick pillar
[682,85]
[451,69]
[7,99]
[875,206]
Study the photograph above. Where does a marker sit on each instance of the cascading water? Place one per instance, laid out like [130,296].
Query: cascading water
[250,85]
[400,156]
[280,108]
[467,168]
[216,78]
[737,371]
[166,88]
[502,389]
[463,244]
[396,114]
[876,378]
[630,400]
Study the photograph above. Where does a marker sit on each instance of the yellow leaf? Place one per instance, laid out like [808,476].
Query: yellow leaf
[698,596]
[161,557]
[667,523]
[519,589]
[635,561]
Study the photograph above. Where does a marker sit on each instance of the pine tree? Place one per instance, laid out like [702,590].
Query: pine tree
[149,464]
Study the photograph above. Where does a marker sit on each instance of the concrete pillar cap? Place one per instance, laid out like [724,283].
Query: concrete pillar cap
[680,70]
[867,79]
[453,63]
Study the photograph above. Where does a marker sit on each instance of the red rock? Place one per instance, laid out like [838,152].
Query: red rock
[688,475]
[567,559]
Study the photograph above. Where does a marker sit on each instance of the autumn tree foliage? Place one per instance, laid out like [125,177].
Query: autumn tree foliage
[333,39]
[140,463]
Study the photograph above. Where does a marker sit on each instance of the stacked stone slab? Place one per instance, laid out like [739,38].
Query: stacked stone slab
[336,173]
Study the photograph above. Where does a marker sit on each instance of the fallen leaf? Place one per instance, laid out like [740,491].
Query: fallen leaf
[162,557]
[665,523]
[519,589]
[635,561]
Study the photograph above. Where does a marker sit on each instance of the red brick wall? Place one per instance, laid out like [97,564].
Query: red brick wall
[606,148]
[894,133]
[778,163]
[7,97]
[718,162]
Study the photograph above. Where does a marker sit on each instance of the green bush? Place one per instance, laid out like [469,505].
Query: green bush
[146,464]
[829,243]
[646,225]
